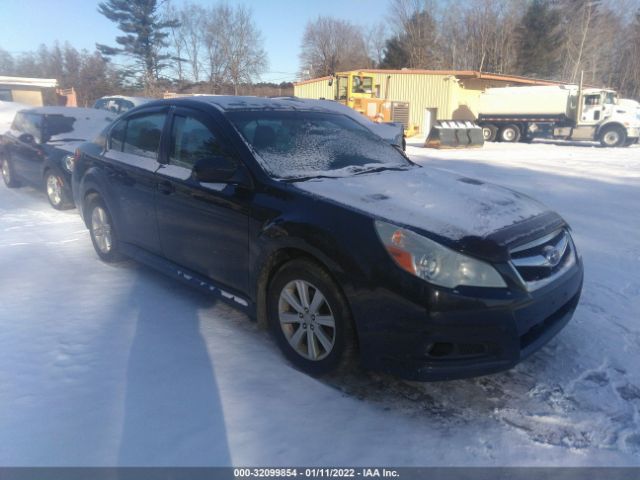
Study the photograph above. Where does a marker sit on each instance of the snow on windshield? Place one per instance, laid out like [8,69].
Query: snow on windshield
[308,144]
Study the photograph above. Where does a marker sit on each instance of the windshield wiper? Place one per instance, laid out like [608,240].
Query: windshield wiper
[303,179]
[382,168]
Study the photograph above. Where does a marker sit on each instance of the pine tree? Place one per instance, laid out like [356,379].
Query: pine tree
[396,55]
[415,44]
[539,40]
[145,36]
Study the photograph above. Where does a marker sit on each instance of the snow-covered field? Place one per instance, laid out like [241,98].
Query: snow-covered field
[117,365]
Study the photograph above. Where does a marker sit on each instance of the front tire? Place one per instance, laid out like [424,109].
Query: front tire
[509,134]
[310,318]
[102,231]
[613,136]
[8,173]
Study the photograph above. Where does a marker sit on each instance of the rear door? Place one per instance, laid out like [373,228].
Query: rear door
[27,153]
[203,227]
[133,153]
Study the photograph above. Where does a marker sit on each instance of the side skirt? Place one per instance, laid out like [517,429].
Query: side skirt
[190,278]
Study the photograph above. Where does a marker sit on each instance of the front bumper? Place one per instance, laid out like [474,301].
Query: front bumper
[458,334]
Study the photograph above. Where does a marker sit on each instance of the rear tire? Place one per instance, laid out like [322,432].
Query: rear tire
[489,133]
[101,229]
[314,332]
[8,173]
[613,136]
[509,134]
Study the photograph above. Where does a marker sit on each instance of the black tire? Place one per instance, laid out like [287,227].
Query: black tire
[56,195]
[8,173]
[106,248]
[489,132]
[305,324]
[509,133]
[613,136]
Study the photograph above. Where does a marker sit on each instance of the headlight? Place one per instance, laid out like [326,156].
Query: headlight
[433,262]
[67,162]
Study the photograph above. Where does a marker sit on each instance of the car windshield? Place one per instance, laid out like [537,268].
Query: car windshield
[298,145]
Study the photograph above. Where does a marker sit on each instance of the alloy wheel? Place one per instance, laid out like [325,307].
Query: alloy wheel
[6,173]
[101,229]
[306,320]
[54,189]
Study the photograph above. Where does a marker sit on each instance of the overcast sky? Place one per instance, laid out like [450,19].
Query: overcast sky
[28,23]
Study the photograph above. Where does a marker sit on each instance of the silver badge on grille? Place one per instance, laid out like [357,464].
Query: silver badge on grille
[552,255]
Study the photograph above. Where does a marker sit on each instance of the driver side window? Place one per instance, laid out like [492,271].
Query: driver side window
[191,141]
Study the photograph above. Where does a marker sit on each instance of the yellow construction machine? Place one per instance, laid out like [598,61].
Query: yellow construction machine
[357,90]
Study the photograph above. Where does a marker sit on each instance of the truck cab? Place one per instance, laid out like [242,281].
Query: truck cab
[597,105]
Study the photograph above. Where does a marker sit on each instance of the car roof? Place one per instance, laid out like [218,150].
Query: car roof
[66,111]
[230,103]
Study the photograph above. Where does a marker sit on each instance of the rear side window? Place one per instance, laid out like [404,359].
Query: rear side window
[191,140]
[117,135]
[125,106]
[28,123]
[138,135]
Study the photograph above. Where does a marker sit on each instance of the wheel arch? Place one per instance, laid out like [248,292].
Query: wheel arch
[605,126]
[92,185]
[283,254]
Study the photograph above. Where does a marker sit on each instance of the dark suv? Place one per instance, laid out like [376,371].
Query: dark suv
[39,147]
[307,221]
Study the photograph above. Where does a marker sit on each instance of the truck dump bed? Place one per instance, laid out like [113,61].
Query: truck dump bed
[537,100]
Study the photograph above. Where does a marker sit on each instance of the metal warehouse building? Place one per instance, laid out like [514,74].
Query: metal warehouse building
[431,94]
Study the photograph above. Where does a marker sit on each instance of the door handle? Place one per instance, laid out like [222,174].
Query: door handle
[166,187]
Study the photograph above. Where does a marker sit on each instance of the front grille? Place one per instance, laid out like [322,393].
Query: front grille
[539,262]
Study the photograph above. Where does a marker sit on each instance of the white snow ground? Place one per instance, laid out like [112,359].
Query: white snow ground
[118,365]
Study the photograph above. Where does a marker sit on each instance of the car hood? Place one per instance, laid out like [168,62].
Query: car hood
[435,201]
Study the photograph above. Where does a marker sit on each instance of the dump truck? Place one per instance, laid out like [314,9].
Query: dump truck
[567,112]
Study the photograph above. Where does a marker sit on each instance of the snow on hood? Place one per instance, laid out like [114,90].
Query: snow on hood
[434,200]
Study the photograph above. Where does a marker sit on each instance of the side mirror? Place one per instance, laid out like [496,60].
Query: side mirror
[214,170]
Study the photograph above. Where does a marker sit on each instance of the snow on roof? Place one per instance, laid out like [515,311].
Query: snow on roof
[135,100]
[29,82]
[231,103]
[87,124]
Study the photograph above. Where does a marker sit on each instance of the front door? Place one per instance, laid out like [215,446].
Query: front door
[203,227]
[591,109]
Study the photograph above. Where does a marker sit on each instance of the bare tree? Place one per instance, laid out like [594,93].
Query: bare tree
[415,29]
[330,45]
[376,38]
[246,59]
[481,35]
[187,39]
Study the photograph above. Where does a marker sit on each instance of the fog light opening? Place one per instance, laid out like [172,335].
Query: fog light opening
[440,349]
